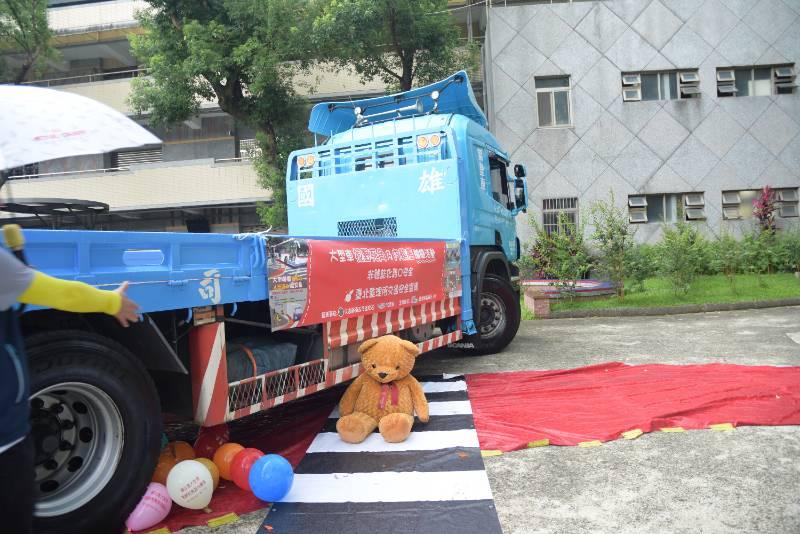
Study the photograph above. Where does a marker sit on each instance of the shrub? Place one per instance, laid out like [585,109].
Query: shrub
[561,256]
[764,208]
[789,243]
[682,255]
[642,263]
[614,237]
[727,258]
[759,253]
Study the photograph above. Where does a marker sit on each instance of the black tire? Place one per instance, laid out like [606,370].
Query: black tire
[500,307]
[127,405]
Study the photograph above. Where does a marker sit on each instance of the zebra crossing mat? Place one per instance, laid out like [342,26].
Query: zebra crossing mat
[433,482]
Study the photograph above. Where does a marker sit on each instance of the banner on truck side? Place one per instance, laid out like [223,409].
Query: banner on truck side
[315,281]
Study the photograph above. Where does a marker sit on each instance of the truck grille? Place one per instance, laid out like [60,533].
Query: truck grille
[386,227]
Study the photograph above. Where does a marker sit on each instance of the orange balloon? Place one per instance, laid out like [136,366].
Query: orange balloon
[165,464]
[212,468]
[223,458]
[181,450]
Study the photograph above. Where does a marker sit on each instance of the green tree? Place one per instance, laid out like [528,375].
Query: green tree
[238,53]
[25,36]
[398,41]
[614,238]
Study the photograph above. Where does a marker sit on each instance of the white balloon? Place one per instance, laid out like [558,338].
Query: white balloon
[190,485]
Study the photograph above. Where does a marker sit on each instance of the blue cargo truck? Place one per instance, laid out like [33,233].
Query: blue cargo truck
[409,192]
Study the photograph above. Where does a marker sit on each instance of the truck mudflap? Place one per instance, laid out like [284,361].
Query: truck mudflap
[215,400]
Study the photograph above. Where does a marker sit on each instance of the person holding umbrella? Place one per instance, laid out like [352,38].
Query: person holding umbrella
[33,134]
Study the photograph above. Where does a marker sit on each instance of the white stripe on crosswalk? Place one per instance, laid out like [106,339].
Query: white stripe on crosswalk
[390,487]
[434,408]
[441,387]
[417,441]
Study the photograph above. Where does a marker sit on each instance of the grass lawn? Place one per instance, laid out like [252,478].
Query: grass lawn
[705,290]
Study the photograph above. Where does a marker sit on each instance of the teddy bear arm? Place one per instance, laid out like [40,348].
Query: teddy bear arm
[419,400]
[347,404]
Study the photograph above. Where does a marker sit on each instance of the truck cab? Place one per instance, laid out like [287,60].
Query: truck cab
[418,163]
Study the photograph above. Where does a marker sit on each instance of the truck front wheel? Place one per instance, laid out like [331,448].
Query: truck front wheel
[96,428]
[498,318]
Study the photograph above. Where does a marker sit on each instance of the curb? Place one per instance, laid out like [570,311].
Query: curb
[673,310]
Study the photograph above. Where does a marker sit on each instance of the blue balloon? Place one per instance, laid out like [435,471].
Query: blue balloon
[164,441]
[271,477]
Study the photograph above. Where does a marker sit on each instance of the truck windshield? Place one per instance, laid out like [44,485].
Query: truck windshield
[372,155]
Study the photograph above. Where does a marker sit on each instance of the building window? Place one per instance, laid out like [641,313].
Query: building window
[665,208]
[552,208]
[553,101]
[739,204]
[787,201]
[31,169]
[249,149]
[135,157]
[756,81]
[669,85]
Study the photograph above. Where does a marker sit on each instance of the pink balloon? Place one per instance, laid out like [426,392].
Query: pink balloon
[152,509]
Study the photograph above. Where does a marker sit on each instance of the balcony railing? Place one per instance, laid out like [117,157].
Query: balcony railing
[204,182]
[122,168]
[89,78]
[77,19]
[65,173]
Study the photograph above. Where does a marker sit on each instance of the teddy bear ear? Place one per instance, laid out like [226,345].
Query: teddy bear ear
[410,347]
[368,344]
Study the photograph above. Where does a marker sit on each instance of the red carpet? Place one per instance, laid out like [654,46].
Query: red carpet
[600,402]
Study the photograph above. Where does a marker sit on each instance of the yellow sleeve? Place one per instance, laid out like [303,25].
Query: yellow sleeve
[70,296]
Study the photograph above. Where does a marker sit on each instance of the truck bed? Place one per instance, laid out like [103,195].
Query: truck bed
[166,271]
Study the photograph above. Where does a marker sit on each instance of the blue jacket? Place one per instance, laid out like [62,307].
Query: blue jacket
[14,381]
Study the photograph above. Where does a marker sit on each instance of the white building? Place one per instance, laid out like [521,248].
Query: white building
[666,103]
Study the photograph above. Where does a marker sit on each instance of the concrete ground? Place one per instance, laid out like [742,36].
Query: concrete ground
[746,480]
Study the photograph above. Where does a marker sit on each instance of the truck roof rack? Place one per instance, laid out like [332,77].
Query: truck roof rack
[451,95]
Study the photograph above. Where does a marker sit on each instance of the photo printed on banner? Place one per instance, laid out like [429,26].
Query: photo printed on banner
[287,259]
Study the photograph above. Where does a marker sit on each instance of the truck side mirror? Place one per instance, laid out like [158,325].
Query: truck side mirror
[519,170]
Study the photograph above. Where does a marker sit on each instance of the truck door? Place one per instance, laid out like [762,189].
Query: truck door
[502,196]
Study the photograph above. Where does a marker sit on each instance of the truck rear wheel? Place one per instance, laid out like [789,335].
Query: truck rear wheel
[96,428]
[498,318]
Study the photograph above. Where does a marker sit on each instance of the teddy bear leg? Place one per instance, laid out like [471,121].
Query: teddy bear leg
[395,427]
[355,428]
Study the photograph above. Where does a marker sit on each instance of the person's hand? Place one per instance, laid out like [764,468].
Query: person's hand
[129,311]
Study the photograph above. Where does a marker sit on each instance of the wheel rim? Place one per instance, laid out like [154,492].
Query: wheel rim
[78,436]
[492,316]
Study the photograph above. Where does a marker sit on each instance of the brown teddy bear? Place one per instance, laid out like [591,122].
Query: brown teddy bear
[385,395]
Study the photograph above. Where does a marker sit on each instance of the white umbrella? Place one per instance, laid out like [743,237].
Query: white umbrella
[38,124]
